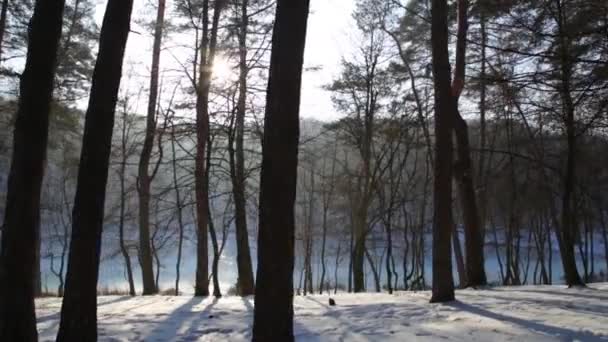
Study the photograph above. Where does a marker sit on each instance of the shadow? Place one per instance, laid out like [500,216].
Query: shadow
[56,315]
[583,294]
[557,332]
[198,329]
[559,303]
[169,327]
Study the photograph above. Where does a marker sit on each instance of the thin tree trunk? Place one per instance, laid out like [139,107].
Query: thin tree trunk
[462,276]
[144,179]
[273,313]
[245,283]
[180,219]
[21,227]
[79,309]
[123,200]
[217,293]
[443,283]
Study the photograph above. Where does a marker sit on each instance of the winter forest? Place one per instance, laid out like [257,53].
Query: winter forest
[325,170]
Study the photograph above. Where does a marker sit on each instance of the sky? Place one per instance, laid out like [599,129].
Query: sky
[328,40]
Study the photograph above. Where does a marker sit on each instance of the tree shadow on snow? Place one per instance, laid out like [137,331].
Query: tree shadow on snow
[55,316]
[588,293]
[168,329]
[557,301]
[562,333]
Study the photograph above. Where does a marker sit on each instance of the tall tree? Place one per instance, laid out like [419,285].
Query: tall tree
[245,282]
[22,211]
[144,178]
[207,48]
[443,281]
[273,313]
[463,172]
[79,309]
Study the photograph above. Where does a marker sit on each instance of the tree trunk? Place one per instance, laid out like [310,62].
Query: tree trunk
[273,313]
[22,211]
[180,219]
[217,293]
[443,282]
[569,224]
[359,249]
[79,309]
[245,282]
[475,273]
[144,178]
[207,55]
[123,199]
[462,276]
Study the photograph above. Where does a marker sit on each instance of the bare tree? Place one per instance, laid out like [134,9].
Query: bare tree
[79,309]
[273,313]
[21,228]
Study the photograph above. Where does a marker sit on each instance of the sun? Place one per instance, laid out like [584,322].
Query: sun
[222,70]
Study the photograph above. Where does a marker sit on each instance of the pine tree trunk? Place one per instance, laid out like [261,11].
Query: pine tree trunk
[207,55]
[21,228]
[180,219]
[79,310]
[273,314]
[359,249]
[443,282]
[246,285]
[123,203]
[144,177]
[475,273]
[569,224]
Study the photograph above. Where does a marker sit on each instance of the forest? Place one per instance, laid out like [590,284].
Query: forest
[285,154]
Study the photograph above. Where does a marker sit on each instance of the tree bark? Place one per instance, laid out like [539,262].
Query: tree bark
[207,55]
[273,313]
[443,282]
[180,218]
[475,273]
[569,224]
[79,309]
[123,199]
[22,211]
[245,283]
[144,179]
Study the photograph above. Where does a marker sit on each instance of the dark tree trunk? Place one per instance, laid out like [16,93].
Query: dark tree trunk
[123,202]
[273,314]
[144,179]
[245,285]
[180,218]
[569,224]
[443,282]
[18,257]
[207,55]
[475,273]
[79,310]
[217,293]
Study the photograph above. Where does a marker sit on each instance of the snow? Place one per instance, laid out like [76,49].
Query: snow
[527,313]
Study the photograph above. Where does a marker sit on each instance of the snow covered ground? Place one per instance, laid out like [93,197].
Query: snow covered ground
[529,313]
